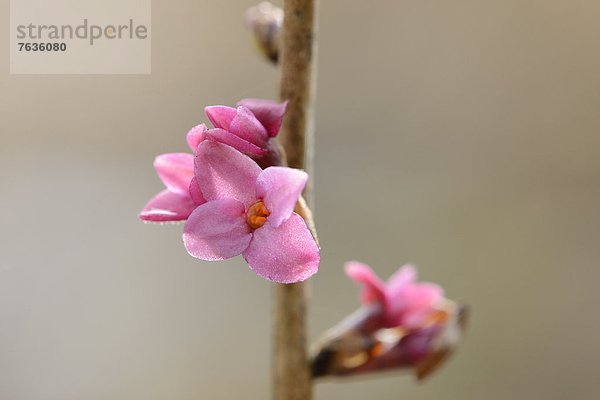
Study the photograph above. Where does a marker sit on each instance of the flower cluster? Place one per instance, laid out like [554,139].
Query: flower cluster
[231,205]
[402,324]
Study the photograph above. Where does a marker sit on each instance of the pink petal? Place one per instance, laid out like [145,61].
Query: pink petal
[268,112]
[195,192]
[406,275]
[228,138]
[422,295]
[373,287]
[168,206]
[217,230]
[195,136]
[279,188]
[224,173]
[403,290]
[416,302]
[176,170]
[410,303]
[246,126]
[286,254]
[220,116]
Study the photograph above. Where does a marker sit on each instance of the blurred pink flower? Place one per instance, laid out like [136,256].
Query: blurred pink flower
[404,301]
[250,212]
[402,324]
[248,128]
[182,195]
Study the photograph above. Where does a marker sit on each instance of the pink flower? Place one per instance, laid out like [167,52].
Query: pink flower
[182,194]
[402,324]
[404,302]
[248,128]
[250,212]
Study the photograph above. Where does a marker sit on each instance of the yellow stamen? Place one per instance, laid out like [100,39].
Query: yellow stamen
[257,215]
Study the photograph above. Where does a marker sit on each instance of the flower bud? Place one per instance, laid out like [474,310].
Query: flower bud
[249,128]
[265,21]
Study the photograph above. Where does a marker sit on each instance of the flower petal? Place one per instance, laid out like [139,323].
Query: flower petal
[228,138]
[217,230]
[223,172]
[268,112]
[286,254]
[195,192]
[423,300]
[373,287]
[176,170]
[415,303]
[195,136]
[246,126]
[410,303]
[280,188]
[168,206]
[406,275]
[220,116]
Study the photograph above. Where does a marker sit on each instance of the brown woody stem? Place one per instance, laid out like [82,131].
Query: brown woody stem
[291,374]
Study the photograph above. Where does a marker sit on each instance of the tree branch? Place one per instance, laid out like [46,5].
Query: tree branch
[291,374]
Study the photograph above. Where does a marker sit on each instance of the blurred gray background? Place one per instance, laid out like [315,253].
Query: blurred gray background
[459,135]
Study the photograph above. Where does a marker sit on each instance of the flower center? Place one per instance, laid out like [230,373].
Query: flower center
[257,215]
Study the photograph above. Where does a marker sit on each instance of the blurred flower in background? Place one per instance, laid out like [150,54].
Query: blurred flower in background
[402,324]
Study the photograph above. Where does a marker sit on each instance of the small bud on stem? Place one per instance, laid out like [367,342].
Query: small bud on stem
[265,21]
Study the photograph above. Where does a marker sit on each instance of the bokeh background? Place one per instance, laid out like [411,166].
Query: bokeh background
[459,135]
